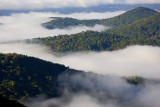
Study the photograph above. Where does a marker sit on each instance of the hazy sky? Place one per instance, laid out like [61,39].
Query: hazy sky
[40,4]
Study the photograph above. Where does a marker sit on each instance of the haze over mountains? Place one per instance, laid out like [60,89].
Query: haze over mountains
[99,66]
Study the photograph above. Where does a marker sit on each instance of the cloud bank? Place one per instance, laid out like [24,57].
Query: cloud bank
[41,4]
[103,91]
[135,60]
[27,26]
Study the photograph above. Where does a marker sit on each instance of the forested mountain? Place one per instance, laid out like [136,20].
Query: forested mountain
[23,77]
[95,41]
[149,26]
[129,17]
[123,19]
[62,23]
[4,102]
[140,26]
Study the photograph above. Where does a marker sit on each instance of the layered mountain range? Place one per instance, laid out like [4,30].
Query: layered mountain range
[139,26]
[23,77]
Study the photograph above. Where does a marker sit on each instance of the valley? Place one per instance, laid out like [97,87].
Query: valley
[93,54]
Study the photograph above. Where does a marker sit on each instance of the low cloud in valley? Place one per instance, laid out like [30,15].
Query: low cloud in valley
[28,25]
[103,91]
[109,90]
[134,60]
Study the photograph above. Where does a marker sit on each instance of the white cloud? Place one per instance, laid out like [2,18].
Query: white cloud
[94,15]
[27,26]
[40,4]
[136,60]
[103,91]
[142,1]
[86,101]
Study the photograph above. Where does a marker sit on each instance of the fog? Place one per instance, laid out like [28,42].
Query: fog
[91,15]
[107,91]
[134,60]
[27,26]
[103,91]
[41,4]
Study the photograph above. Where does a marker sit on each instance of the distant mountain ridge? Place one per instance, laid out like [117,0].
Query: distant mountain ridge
[94,41]
[123,19]
[142,29]
[149,26]
[129,17]
[61,23]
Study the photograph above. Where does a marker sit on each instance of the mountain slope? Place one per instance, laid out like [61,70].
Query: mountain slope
[94,41]
[23,77]
[144,31]
[61,23]
[123,19]
[129,17]
[149,26]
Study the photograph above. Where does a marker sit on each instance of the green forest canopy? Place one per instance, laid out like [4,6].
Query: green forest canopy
[23,77]
[145,31]
[123,19]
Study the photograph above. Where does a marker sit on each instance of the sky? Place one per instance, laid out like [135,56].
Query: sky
[41,4]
